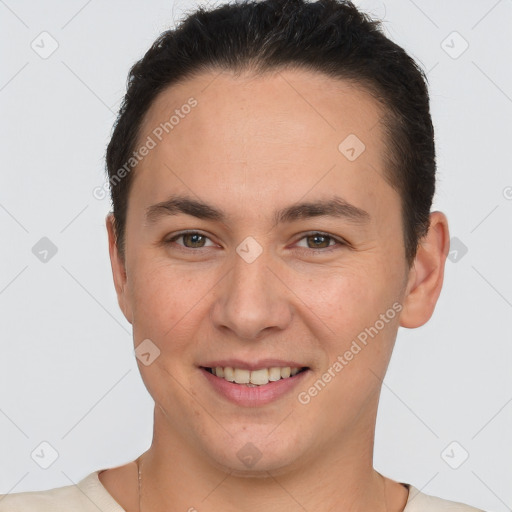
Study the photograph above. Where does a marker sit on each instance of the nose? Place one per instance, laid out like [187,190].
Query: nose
[252,298]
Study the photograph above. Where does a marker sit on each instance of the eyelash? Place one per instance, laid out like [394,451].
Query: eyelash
[339,243]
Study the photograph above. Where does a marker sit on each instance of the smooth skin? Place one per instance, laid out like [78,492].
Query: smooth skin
[252,146]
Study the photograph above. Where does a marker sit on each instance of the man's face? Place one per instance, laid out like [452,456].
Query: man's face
[248,292]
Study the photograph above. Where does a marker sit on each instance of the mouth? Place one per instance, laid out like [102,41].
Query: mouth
[254,382]
[254,378]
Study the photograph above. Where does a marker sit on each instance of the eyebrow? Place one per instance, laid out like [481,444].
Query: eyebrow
[334,207]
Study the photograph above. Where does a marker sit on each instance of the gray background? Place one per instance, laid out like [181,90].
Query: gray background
[68,375]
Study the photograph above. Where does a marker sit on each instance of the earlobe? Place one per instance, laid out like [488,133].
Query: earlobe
[427,274]
[118,268]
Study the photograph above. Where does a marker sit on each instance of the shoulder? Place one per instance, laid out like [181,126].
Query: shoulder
[419,502]
[88,495]
[55,500]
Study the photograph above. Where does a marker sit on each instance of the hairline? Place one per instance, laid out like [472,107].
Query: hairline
[255,68]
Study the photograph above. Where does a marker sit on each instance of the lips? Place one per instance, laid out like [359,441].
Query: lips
[255,383]
[253,395]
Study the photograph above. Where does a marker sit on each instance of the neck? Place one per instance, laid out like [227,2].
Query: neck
[176,476]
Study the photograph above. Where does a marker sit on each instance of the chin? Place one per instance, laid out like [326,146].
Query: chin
[254,456]
[275,464]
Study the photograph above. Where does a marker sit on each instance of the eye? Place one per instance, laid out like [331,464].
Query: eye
[197,240]
[191,239]
[322,241]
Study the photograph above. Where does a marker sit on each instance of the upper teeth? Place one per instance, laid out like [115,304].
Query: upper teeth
[255,377]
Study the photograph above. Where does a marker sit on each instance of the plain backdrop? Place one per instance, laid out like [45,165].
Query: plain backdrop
[68,375]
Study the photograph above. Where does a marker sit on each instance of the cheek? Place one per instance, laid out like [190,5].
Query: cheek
[360,341]
[350,303]
[345,298]
[163,302]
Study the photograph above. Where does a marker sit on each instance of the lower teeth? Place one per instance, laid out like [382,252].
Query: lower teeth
[251,385]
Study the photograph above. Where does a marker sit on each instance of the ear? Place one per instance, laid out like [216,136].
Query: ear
[426,274]
[118,269]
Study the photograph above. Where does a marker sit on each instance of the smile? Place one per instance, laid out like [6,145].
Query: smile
[256,387]
[252,378]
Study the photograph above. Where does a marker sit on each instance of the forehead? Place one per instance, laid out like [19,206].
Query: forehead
[261,133]
[306,106]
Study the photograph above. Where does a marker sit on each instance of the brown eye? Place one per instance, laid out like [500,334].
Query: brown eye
[195,239]
[319,241]
[323,242]
[191,240]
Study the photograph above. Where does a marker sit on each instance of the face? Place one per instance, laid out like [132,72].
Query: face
[258,281]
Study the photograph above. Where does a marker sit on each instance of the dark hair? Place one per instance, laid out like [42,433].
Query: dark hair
[326,36]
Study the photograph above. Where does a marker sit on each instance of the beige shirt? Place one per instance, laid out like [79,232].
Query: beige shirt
[89,495]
